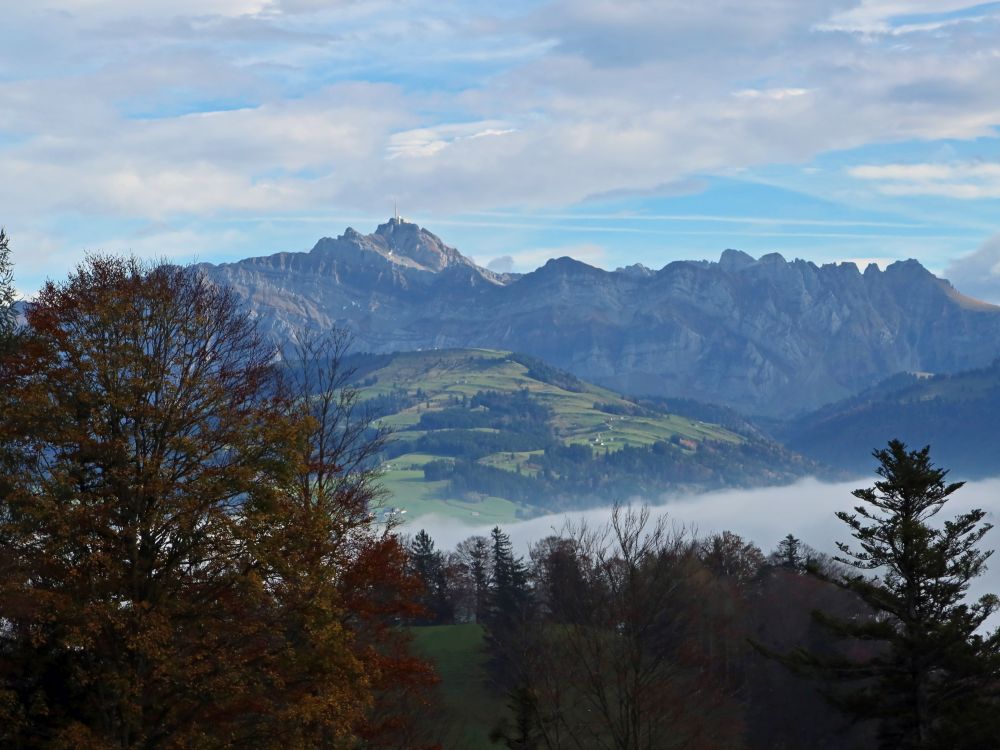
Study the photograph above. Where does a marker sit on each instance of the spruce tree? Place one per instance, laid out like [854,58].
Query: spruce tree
[789,553]
[931,680]
[509,590]
[507,608]
[428,565]
[479,567]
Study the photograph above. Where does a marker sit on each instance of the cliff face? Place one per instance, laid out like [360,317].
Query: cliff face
[764,335]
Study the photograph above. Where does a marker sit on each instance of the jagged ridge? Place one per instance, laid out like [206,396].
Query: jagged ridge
[763,335]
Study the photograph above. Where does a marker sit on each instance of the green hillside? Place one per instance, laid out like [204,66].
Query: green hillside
[956,414]
[489,436]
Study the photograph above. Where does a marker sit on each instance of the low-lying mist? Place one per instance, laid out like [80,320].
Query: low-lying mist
[763,515]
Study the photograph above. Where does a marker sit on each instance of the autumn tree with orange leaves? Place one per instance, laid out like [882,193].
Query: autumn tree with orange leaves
[359,565]
[172,575]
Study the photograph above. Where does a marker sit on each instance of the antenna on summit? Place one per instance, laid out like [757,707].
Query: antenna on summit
[395,210]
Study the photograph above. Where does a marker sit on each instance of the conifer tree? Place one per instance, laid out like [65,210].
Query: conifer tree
[428,565]
[509,590]
[934,681]
[507,608]
[789,553]
[473,565]
[479,564]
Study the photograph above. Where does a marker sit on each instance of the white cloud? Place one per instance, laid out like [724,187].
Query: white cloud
[171,8]
[772,94]
[964,180]
[765,515]
[280,156]
[876,16]
[978,273]
[422,142]
[125,110]
[501,264]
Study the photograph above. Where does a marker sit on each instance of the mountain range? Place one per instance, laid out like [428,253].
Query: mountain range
[765,335]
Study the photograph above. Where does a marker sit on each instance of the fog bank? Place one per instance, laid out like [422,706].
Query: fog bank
[763,515]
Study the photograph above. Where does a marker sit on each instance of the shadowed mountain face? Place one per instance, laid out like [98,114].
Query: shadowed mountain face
[764,335]
[955,413]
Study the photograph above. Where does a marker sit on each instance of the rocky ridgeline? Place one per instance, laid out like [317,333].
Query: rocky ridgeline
[765,335]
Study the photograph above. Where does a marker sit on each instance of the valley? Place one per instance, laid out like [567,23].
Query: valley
[546,375]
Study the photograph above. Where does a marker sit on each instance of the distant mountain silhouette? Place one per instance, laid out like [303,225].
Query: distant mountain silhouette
[766,336]
[955,414]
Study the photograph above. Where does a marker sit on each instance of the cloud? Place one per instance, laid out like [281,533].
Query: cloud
[422,142]
[501,264]
[765,515]
[618,34]
[889,16]
[772,94]
[962,180]
[118,9]
[278,156]
[978,273]
[685,186]
[116,111]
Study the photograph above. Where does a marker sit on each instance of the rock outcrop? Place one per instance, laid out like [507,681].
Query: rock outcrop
[765,335]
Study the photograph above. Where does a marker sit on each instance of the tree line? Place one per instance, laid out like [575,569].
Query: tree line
[636,634]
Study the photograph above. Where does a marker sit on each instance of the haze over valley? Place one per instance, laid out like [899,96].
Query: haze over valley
[547,374]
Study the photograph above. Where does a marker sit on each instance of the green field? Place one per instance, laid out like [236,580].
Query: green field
[408,491]
[582,414]
[443,374]
[471,709]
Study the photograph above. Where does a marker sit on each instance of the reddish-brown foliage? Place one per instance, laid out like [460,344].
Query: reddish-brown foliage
[170,577]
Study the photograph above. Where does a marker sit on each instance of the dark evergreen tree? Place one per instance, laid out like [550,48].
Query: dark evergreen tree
[935,680]
[508,607]
[789,554]
[479,567]
[469,572]
[428,565]
[509,590]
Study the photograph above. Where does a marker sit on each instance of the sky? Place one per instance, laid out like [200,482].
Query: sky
[612,131]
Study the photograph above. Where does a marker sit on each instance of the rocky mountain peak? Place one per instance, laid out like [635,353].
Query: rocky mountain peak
[398,238]
[636,270]
[768,335]
[910,269]
[735,260]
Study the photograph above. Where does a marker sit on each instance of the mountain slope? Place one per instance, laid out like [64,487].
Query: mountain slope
[765,336]
[955,414]
[489,434]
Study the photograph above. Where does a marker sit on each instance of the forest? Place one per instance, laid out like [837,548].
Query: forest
[189,558]
[638,634]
